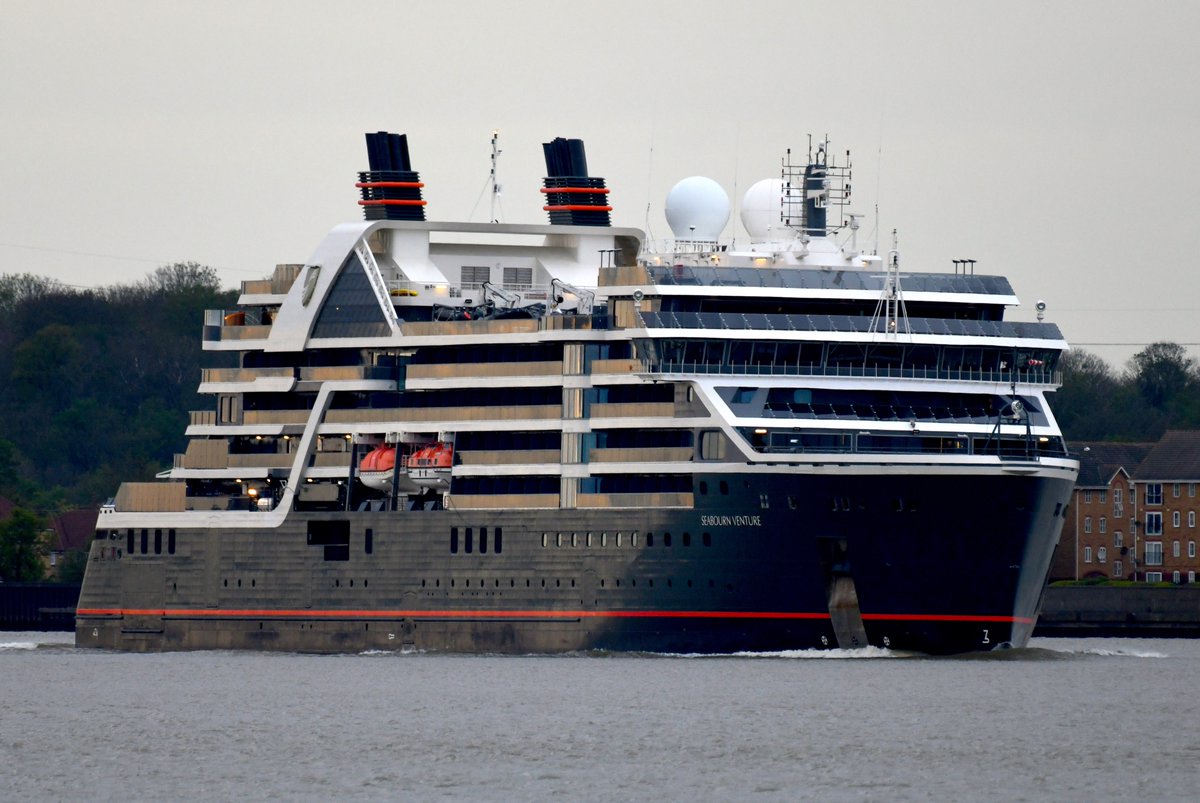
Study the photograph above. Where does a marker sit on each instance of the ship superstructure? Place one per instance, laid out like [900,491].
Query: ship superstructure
[507,437]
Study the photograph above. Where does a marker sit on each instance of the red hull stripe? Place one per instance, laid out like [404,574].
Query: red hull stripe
[208,613]
[934,617]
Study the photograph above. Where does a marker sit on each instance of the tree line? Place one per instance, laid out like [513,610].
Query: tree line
[1159,389]
[96,385]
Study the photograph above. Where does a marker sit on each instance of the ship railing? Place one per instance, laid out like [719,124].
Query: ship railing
[1029,376]
[699,275]
[447,293]
[797,322]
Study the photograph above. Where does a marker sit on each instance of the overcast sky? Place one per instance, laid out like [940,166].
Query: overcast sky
[1054,142]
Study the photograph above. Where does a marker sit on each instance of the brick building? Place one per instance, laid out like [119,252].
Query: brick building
[1134,512]
[1097,532]
[1168,506]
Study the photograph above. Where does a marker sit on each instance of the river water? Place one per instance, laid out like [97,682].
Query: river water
[1066,719]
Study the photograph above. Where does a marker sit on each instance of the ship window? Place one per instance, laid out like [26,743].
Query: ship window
[544,539]
[369,541]
[558,539]
[706,539]
[483,540]
[666,539]
[588,541]
[574,539]
[158,542]
[618,539]
[170,542]
[469,541]
[764,501]
[518,278]
[476,275]
[649,539]
[129,541]
[603,539]
[145,540]
[724,488]
[703,488]
[687,539]
[453,540]
[633,538]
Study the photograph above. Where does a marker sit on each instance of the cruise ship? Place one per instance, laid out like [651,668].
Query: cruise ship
[525,438]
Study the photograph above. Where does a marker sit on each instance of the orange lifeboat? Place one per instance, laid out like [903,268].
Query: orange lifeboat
[377,466]
[430,466]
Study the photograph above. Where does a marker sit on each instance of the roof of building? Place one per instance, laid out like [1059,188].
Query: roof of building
[1100,460]
[1176,457]
[74,529]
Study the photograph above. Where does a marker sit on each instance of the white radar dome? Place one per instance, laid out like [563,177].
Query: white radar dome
[697,209]
[761,208]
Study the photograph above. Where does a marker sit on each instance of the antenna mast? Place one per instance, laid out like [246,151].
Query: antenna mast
[495,183]
[891,300]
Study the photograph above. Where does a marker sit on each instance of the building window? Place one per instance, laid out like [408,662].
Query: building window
[1103,524]
[1191,549]
[1175,490]
[1175,518]
[1154,553]
[1153,577]
[1175,577]
[1102,555]
[1117,497]
[1192,489]
[1174,549]
[1154,493]
[1153,524]
[1087,497]
[1087,524]
[1133,495]
[1118,539]
[1087,554]
[1191,518]
[1191,577]
[1103,497]
[1118,569]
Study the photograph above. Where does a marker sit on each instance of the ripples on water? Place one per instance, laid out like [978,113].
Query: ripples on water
[1078,719]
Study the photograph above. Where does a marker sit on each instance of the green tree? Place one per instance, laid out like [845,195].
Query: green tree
[72,567]
[22,547]
[1162,372]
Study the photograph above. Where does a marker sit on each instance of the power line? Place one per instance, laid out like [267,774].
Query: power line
[117,257]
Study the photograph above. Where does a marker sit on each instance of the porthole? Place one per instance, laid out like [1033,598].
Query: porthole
[687,539]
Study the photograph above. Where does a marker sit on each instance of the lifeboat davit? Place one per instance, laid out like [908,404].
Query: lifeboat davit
[430,466]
